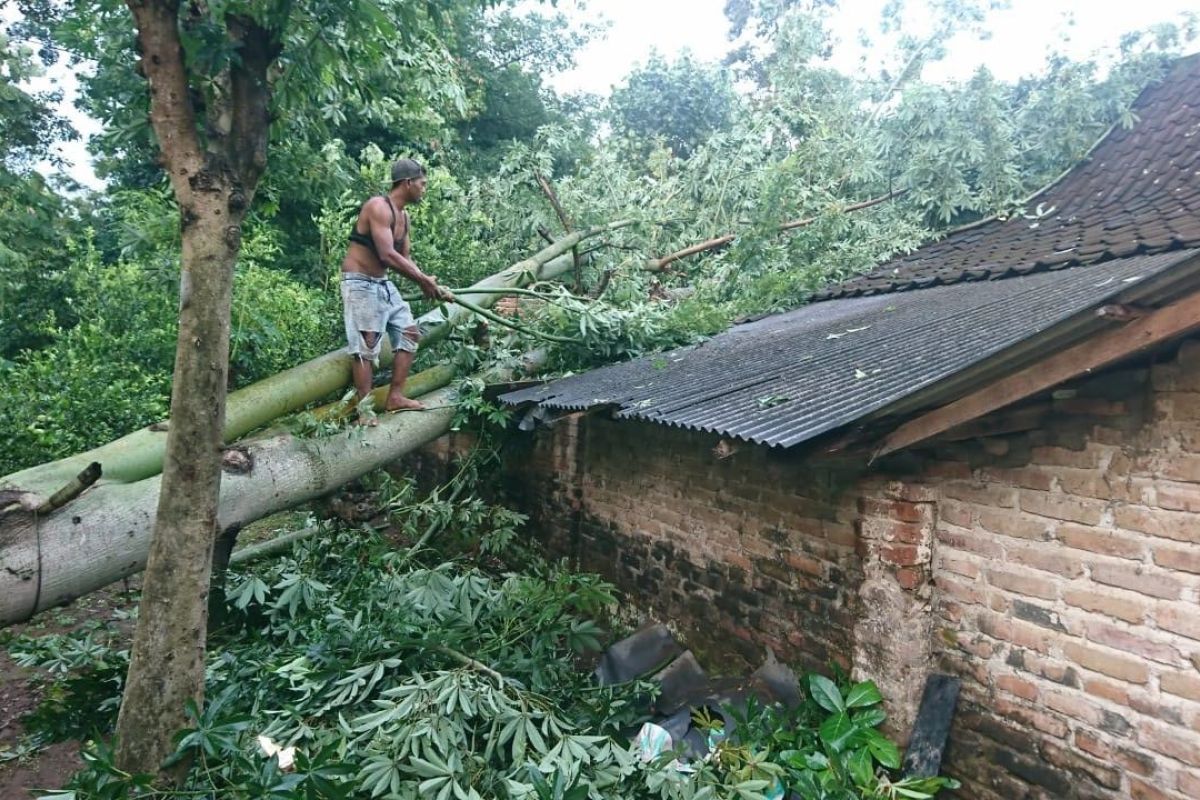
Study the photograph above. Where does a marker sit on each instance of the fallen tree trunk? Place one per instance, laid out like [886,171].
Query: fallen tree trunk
[139,455]
[104,534]
[51,555]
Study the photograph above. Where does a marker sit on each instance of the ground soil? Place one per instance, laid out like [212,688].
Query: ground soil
[49,766]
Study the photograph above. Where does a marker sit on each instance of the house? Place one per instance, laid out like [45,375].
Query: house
[982,458]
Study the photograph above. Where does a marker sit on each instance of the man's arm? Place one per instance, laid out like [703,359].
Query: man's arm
[380,219]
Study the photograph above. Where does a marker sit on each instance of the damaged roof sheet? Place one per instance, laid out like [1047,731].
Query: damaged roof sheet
[1138,192]
[787,378]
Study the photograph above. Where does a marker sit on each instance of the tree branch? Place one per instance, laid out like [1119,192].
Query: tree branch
[552,196]
[251,101]
[660,264]
[171,112]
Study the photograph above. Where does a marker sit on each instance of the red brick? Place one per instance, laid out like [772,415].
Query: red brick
[1188,782]
[898,510]
[1048,557]
[1110,635]
[957,563]
[1115,665]
[1032,637]
[1061,506]
[1091,744]
[972,542]
[1156,522]
[1170,741]
[910,578]
[1057,671]
[1014,523]
[960,591]
[1030,717]
[1023,689]
[912,492]
[981,494]
[1100,687]
[903,555]
[1098,540]
[1181,467]
[840,534]
[1184,684]
[1131,608]
[1091,484]
[1140,790]
[889,530]
[1136,579]
[1073,705]
[1088,458]
[1030,585]
[1183,619]
[1177,496]
[1181,405]
[1072,760]
[1030,477]
[952,512]
[1187,560]
[804,563]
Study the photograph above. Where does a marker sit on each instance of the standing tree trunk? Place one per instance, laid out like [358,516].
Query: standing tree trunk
[212,182]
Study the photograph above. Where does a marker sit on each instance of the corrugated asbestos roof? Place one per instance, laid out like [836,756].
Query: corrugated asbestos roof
[785,379]
[1138,192]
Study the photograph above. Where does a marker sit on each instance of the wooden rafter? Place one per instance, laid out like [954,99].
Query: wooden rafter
[1098,351]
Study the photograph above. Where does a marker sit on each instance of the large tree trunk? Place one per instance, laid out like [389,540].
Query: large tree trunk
[213,183]
[107,532]
[167,662]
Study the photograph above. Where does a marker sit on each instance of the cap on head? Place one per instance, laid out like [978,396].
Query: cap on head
[406,169]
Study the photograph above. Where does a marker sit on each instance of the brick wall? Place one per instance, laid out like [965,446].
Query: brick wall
[741,551]
[1055,570]
[1067,571]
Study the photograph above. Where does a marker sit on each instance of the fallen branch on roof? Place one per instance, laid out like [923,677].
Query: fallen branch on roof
[660,264]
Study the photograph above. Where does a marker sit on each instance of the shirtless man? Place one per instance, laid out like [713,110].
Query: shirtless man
[380,240]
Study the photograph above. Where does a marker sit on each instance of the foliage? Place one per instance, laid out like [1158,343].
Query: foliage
[829,747]
[111,372]
[679,104]
[391,672]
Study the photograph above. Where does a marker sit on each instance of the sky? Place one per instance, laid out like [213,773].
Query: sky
[1021,36]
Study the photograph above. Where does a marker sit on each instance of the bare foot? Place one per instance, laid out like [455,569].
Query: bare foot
[404,404]
[367,421]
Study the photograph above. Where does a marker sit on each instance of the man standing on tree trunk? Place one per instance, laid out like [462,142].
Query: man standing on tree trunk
[379,239]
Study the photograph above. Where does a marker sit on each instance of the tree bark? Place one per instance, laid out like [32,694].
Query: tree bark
[213,186]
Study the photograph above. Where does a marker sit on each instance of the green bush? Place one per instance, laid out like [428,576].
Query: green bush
[111,373]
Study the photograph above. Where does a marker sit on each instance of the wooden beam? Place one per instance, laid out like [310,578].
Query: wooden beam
[1098,351]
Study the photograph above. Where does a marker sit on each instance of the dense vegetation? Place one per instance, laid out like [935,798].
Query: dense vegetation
[393,675]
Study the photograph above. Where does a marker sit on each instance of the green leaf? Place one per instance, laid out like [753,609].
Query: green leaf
[883,749]
[836,732]
[825,693]
[863,694]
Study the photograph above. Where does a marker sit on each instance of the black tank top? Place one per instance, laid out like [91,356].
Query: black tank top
[365,238]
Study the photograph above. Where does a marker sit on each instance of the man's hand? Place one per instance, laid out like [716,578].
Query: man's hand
[431,290]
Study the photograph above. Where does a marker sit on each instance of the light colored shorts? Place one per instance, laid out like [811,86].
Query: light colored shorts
[374,305]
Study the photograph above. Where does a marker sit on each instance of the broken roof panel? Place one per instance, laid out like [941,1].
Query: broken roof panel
[788,378]
[1138,192]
